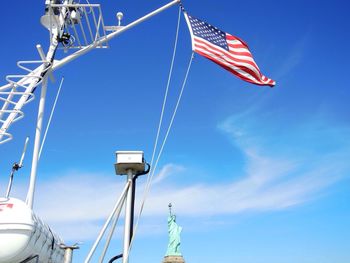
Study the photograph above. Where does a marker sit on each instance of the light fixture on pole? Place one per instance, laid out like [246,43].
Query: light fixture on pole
[132,164]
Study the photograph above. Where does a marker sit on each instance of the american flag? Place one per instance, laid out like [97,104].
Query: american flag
[226,50]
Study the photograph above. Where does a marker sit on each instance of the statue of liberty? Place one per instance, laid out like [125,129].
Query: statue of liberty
[174,231]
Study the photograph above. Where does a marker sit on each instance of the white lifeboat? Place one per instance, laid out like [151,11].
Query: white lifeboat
[23,235]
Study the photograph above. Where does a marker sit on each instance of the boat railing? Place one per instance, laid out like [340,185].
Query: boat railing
[84,24]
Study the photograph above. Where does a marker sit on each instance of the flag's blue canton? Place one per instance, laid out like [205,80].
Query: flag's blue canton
[208,32]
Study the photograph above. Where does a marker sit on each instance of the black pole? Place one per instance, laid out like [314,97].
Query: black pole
[133,200]
[132,208]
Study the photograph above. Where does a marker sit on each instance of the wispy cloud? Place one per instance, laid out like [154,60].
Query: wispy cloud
[293,58]
[285,167]
[166,171]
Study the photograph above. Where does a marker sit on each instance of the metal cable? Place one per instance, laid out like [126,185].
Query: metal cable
[166,93]
[173,117]
[148,186]
[50,118]
[148,182]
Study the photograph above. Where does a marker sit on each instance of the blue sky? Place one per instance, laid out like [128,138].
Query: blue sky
[255,174]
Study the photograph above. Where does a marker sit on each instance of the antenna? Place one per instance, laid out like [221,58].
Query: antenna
[23,152]
[119,17]
[16,167]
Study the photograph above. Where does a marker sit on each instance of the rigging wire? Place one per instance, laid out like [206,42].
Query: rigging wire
[173,116]
[162,111]
[50,118]
[165,99]
[159,125]
[166,92]
[148,186]
[148,182]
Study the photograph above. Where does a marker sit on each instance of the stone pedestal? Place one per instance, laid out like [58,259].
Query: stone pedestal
[173,259]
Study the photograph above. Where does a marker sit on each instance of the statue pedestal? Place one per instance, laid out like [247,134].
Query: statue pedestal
[173,259]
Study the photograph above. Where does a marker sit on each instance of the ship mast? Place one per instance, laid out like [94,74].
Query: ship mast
[60,16]
[57,25]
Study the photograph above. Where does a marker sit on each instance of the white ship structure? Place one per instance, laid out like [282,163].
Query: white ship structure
[77,28]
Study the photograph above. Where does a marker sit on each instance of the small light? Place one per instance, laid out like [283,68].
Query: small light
[119,17]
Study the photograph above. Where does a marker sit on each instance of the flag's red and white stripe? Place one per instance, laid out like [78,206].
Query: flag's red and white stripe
[238,59]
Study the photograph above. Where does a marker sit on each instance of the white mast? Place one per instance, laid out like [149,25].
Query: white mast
[57,33]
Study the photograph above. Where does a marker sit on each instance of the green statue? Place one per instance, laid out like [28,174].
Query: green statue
[174,231]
